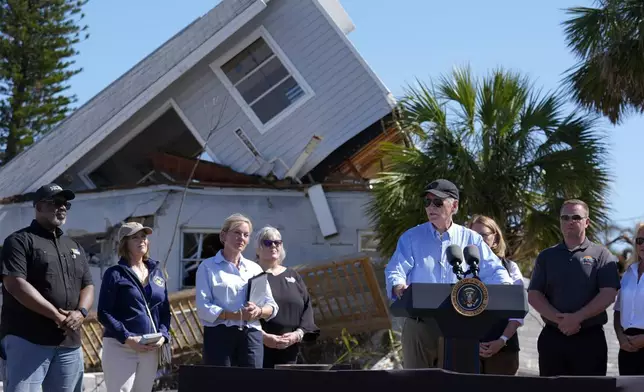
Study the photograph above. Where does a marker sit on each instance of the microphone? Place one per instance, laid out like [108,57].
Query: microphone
[473,258]
[454,255]
[472,255]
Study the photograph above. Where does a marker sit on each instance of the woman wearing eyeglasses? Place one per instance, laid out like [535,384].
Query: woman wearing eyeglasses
[499,349]
[629,312]
[294,322]
[232,330]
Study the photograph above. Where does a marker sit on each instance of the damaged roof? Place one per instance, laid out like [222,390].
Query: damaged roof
[95,120]
[262,183]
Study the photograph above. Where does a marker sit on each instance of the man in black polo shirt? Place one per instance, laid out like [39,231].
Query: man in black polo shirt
[572,285]
[47,289]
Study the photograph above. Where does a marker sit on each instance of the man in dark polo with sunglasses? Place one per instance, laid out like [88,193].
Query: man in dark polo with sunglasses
[572,285]
[420,257]
[47,291]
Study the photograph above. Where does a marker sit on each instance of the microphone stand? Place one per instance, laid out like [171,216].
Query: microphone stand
[449,343]
[458,271]
[474,271]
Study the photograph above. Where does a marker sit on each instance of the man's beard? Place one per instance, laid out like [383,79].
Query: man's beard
[57,222]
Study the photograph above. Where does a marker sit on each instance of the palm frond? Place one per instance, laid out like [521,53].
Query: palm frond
[609,43]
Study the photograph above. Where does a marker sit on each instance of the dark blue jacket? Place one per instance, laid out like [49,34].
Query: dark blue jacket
[121,308]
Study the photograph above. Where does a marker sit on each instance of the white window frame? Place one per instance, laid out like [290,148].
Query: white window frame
[363,233]
[140,127]
[261,32]
[181,258]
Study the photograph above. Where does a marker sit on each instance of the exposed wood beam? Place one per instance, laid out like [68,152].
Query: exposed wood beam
[354,169]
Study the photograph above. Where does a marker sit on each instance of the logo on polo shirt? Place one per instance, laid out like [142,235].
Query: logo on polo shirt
[159,281]
[588,260]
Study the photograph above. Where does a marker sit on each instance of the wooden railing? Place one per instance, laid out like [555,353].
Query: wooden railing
[345,295]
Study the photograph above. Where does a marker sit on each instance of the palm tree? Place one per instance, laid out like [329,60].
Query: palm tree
[609,42]
[513,153]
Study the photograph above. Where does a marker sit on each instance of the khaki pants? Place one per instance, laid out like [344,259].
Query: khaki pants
[126,370]
[422,344]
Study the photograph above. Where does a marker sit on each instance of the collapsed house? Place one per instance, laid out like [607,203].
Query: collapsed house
[259,107]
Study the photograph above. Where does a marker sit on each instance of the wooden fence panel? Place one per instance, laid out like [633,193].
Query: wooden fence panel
[346,294]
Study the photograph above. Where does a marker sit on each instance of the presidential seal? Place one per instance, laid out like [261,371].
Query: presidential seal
[469,297]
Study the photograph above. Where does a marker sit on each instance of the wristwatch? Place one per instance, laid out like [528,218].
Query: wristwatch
[83,312]
[505,339]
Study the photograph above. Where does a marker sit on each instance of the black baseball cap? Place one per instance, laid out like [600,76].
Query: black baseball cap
[50,191]
[443,189]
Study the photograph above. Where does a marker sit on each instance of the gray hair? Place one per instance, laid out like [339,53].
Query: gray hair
[269,233]
[452,200]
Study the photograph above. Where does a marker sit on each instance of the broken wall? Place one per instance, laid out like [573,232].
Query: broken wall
[204,210]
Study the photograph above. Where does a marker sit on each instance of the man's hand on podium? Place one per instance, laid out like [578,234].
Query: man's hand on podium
[399,289]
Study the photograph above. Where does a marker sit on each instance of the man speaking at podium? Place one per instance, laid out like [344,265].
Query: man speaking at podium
[420,257]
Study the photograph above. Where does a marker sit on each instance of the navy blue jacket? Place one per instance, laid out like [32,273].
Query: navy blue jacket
[121,308]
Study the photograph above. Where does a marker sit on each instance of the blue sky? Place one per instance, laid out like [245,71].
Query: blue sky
[401,40]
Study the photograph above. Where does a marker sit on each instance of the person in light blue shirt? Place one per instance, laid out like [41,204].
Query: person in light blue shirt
[232,328]
[420,257]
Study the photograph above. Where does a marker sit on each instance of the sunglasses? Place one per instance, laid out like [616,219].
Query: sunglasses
[59,203]
[639,240]
[575,218]
[438,203]
[269,243]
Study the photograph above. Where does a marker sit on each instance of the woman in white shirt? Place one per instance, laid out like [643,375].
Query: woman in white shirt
[232,329]
[629,311]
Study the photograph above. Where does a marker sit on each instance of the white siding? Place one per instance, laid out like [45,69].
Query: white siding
[33,163]
[347,97]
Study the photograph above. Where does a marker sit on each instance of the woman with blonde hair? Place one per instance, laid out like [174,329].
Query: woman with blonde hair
[232,328]
[499,350]
[629,311]
[133,302]
[294,322]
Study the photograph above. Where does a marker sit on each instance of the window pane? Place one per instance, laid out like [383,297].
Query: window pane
[368,243]
[277,100]
[247,60]
[190,273]
[211,245]
[190,245]
[262,80]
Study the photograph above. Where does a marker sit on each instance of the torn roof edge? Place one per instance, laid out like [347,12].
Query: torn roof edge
[277,186]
